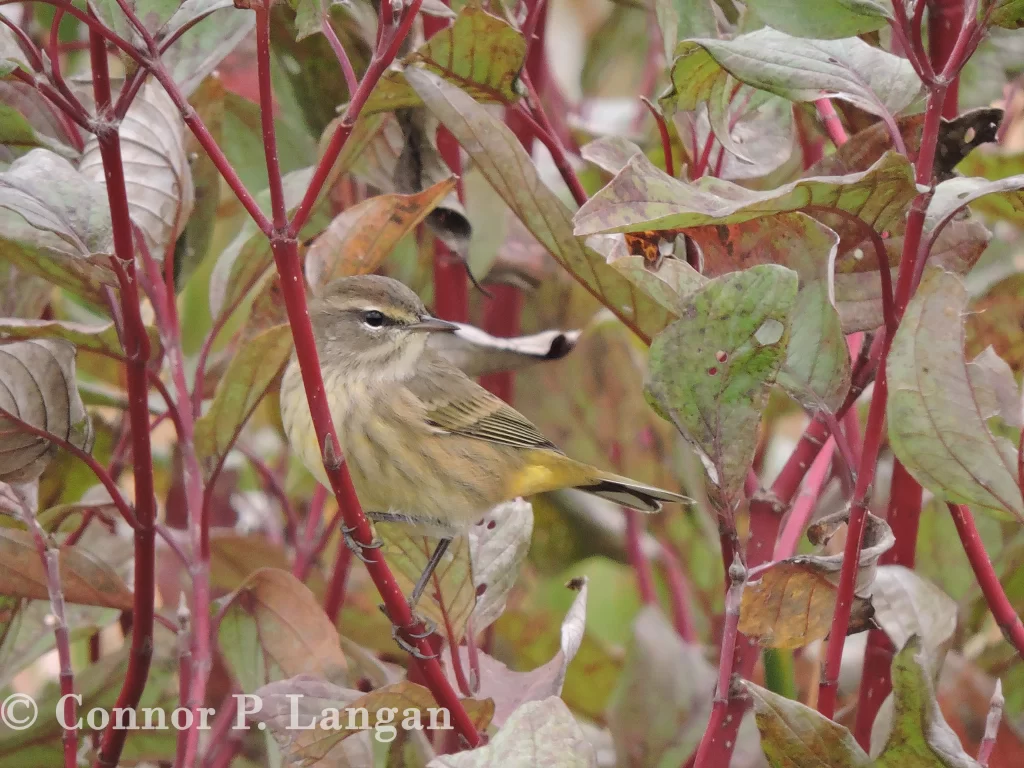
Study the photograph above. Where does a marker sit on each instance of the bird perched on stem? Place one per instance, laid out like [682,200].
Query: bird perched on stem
[426,446]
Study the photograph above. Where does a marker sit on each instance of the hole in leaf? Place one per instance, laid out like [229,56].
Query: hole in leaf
[770,332]
[712,371]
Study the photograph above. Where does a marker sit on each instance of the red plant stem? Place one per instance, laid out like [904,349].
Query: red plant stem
[830,119]
[501,318]
[28,47]
[277,201]
[379,63]
[335,597]
[851,431]
[666,142]
[304,544]
[802,510]
[451,285]
[224,739]
[679,593]
[995,716]
[95,26]
[550,139]
[635,555]
[351,82]
[1007,619]
[945,21]
[136,345]
[903,517]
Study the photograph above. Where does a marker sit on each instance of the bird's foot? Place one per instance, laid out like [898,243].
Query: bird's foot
[406,636]
[356,547]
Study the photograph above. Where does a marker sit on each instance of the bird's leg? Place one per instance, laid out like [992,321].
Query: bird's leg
[357,547]
[421,584]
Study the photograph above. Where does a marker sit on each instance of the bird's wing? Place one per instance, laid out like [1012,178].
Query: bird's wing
[456,404]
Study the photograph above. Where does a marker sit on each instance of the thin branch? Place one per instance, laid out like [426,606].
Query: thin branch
[666,142]
[351,82]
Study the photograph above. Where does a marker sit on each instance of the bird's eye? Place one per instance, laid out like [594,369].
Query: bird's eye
[373,318]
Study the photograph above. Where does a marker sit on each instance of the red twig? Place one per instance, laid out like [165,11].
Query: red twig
[830,119]
[136,344]
[351,82]
[945,22]
[304,544]
[335,597]
[634,552]
[679,593]
[1007,619]
[666,142]
[802,510]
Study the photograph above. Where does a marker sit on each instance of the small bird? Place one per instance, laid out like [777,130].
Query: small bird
[426,445]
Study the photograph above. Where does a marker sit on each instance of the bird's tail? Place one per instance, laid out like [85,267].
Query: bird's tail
[629,493]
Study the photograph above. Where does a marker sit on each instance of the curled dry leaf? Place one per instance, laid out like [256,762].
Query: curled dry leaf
[55,223]
[610,153]
[509,689]
[156,169]
[711,371]
[37,387]
[661,705]
[477,353]
[497,547]
[792,602]
[539,733]
[359,239]
[938,405]
[84,577]
[273,627]
[312,719]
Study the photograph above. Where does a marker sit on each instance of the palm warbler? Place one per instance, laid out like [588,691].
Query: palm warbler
[426,445]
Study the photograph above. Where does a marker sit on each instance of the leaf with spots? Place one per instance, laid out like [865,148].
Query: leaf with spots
[497,547]
[479,53]
[642,197]
[1004,197]
[711,370]
[500,157]
[938,405]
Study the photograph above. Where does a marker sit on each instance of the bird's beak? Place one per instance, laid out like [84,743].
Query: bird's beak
[428,324]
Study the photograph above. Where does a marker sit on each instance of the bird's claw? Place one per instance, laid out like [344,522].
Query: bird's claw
[357,547]
[412,632]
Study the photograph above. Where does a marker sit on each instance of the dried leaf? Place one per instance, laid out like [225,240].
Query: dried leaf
[669,285]
[359,239]
[509,689]
[795,68]
[37,387]
[96,338]
[937,426]
[273,628]
[792,602]
[610,153]
[642,197]
[55,223]
[84,577]
[479,53]
[157,175]
[538,733]
[477,353]
[312,719]
[502,160]
[497,547]
[712,369]
[996,320]
[241,388]
[660,707]
[952,196]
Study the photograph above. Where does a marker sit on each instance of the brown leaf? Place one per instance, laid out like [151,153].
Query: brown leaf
[273,627]
[37,387]
[792,602]
[361,237]
[84,577]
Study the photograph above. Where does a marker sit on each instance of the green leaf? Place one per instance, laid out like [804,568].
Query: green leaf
[538,733]
[920,737]
[205,42]
[795,736]
[55,223]
[152,13]
[97,338]
[17,131]
[661,704]
[11,55]
[823,19]
[642,197]
[937,405]
[681,19]
[1008,14]
[310,15]
[817,369]
[794,68]
[711,371]
[502,160]
[479,53]
[240,390]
